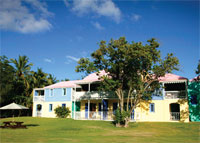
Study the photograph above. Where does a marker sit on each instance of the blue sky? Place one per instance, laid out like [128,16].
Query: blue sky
[55,34]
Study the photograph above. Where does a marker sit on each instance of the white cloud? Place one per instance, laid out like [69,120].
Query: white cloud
[100,7]
[24,16]
[72,58]
[136,17]
[97,25]
[48,60]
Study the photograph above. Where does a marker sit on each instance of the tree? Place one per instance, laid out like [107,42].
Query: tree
[22,66]
[66,79]
[7,78]
[133,70]
[198,71]
[39,78]
[51,79]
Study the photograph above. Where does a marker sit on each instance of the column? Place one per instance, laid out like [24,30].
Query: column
[88,109]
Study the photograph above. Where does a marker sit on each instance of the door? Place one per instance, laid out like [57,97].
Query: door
[86,110]
[105,109]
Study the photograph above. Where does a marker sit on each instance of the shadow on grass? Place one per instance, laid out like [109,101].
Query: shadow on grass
[32,125]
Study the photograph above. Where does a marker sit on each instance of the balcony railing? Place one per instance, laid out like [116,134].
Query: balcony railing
[38,113]
[175,116]
[38,98]
[175,94]
[92,95]
[101,115]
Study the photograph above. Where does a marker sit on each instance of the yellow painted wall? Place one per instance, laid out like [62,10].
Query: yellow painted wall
[161,114]
[45,108]
[162,110]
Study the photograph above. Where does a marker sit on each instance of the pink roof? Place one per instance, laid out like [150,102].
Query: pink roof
[94,77]
[195,79]
[171,77]
[64,84]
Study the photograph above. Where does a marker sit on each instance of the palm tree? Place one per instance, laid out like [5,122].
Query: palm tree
[22,66]
[39,78]
[51,79]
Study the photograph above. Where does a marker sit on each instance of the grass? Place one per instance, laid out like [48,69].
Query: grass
[68,130]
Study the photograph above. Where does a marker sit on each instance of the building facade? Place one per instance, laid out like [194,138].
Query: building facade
[85,102]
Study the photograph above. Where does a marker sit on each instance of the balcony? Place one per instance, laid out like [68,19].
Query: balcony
[38,98]
[93,95]
[175,94]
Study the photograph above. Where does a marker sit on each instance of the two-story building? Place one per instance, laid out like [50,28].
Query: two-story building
[85,102]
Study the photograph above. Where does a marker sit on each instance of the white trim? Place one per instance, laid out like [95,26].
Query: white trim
[175,81]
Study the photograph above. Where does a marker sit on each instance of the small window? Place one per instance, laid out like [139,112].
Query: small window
[63,105]
[194,99]
[152,107]
[50,107]
[64,91]
[51,93]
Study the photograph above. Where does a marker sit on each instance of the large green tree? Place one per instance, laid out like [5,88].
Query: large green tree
[198,71]
[7,78]
[132,70]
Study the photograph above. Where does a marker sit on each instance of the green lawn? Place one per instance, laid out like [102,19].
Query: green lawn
[69,130]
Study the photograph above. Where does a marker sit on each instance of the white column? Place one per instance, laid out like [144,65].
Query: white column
[74,103]
[163,90]
[88,109]
[89,87]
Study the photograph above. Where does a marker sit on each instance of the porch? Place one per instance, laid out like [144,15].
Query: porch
[102,115]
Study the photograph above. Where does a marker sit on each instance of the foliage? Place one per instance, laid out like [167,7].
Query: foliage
[62,112]
[17,83]
[198,68]
[120,117]
[198,72]
[7,78]
[133,69]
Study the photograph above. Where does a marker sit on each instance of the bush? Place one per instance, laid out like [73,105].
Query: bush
[62,112]
[121,117]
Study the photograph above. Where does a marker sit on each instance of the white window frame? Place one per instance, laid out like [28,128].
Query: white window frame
[64,92]
[51,92]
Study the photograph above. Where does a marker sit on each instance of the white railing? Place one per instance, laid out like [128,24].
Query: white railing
[39,113]
[92,95]
[101,115]
[175,94]
[38,98]
[175,116]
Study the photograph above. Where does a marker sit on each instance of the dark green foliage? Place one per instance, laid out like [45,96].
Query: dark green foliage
[62,112]
[17,83]
[7,78]
[120,116]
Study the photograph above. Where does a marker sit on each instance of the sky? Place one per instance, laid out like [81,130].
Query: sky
[55,34]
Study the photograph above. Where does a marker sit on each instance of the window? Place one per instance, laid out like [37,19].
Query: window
[51,92]
[64,91]
[63,105]
[50,107]
[152,107]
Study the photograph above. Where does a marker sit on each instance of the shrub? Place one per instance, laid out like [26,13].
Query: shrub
[62,112]
[121,117]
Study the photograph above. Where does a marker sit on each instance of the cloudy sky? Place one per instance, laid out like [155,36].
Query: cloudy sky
[55,34]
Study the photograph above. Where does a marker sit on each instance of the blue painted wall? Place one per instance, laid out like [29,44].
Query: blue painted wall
[57,95]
